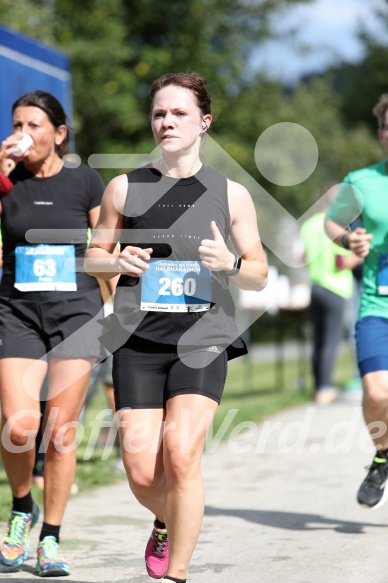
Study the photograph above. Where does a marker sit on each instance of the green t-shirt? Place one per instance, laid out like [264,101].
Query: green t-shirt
[365,192]
[320,255]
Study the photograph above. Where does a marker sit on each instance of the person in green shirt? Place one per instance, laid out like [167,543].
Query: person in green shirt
[331,279]
[365,193]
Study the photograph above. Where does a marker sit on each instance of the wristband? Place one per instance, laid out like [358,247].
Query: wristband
[344,241]
[236,266]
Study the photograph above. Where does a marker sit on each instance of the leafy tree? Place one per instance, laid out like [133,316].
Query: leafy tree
[117,48]
[92,33]
[360,85]
[315,107]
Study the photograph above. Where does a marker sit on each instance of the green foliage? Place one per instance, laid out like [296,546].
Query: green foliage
[117,48]
[316,107]
[360,85]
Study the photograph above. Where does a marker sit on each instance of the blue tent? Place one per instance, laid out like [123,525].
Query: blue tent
[27,65]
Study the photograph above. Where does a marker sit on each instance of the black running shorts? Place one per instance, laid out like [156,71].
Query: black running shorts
[32,329]
[146,374]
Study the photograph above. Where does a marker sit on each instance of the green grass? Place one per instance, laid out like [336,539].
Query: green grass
[253,391]
[259,390]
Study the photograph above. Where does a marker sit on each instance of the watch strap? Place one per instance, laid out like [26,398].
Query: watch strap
[345,241]
[236,265]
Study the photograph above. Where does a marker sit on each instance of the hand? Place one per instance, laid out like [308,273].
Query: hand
[359,242]
[132,260]
[214,253]
[7,148]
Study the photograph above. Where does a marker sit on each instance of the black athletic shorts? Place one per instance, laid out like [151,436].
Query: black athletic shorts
[31,329]
[146,374]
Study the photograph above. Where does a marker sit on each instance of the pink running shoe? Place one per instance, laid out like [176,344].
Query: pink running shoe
[156,553]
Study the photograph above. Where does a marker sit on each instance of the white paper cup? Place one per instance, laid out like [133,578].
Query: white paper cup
[23,145]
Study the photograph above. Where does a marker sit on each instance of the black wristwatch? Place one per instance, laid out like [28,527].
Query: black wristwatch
[236,266]
[345,241]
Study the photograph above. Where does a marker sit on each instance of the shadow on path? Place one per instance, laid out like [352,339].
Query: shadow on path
[293,520]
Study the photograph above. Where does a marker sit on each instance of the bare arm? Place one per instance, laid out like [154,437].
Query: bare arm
[107,286]
[103,259]
[216,256]
[357,241]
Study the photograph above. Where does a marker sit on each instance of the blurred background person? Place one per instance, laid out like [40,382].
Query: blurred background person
[330,272]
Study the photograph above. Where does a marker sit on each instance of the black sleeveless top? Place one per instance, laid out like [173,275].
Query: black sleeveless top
[172,216]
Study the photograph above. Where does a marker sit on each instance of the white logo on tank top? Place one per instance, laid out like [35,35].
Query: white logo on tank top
[214,349]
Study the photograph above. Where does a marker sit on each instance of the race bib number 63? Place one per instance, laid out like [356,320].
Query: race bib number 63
[45,268]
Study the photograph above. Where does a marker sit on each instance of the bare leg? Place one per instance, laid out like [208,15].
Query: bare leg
[188,419]
[20,408]
[109,392]
[167,479]
[375,406]
[62,412]
[140,434]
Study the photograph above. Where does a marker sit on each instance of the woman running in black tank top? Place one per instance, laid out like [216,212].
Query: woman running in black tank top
[173,327]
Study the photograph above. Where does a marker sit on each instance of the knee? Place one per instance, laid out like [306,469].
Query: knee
[19,432]
[141,480]
[181,466]
[375,395]
[61,436]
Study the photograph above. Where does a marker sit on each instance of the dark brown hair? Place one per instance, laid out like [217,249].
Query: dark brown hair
[192,81]
[52,108]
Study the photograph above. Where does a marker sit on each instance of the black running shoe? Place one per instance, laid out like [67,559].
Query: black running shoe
[372,492]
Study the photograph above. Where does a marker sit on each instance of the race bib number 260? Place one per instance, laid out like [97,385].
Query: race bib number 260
[176,286]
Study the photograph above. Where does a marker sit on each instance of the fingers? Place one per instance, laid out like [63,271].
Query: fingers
[359,235]
[7,165]
[214,253]
[205,249]
[359,242]
[7,148]
[133,260]
[363,234]
[215,231]
[210,254]
[208,246]
[10,144]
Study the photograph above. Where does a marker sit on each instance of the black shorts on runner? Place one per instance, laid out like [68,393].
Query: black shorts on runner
[65,328]
[146,374]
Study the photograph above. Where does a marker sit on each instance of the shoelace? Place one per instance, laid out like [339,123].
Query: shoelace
[17,529]
[50,549]
[160,542]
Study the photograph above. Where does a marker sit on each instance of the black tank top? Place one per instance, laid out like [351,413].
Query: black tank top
[172,216]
